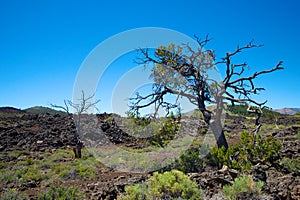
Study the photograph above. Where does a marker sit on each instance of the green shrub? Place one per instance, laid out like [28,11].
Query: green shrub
[245,153]
[166,133]
[189,161]
[6,176]
[61,155]
[86,168]
[12,194]
[221,156]
[140,127]
[60,193]
[164,129]
[136,192]
[297,136]
[168,185]
[291,164]
[109,118]
[3,165]
[242,187]
[174,184]
[24,171]
[83,167]
[49,167]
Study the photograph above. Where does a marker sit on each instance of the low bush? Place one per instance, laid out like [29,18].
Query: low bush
[168,185]
[12,194]
[246,153]
[189,161]
[83,167]
[166,133]
[291,164]
[242,188]
[60,193]
[192,159]
[57,165]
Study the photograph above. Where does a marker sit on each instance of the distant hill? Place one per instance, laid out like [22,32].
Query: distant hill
[10,110]
[288,111]
[242,111]
[43,110]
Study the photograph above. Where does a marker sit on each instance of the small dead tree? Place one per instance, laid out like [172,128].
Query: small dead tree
[64,108]
[183,71]
[83,106]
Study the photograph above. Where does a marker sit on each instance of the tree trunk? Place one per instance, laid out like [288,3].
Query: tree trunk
[221,140]
[77,152]
[216,127]
[219,135]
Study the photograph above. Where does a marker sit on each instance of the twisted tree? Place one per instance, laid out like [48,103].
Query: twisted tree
[185,72]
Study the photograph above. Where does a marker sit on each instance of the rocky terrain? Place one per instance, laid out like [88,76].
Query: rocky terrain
[39,134]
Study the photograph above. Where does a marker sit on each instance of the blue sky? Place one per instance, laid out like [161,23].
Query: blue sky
[43,43]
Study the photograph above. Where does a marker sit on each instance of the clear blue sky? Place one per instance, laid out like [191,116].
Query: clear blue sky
[43,43]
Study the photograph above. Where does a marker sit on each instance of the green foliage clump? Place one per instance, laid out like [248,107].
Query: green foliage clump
[51,166]
[83,167]
[168,185]
[297,136]
[18,153]
[246,153]
[26,170]
[61,155]
[166,133]
[12,194]
[136,192]
[139,126]
[109,119]
[191,161]
[291,164]
[242,187]
[60,193]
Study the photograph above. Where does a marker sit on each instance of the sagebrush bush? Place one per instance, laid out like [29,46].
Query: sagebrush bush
[168,185]
[242,187]
[246,153]
[136,192]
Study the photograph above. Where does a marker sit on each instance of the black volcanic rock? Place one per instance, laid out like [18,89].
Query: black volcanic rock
[41,131]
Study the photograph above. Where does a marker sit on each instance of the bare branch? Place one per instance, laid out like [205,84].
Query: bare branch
[256,74]
[202,43]
[239,49]
[64,108]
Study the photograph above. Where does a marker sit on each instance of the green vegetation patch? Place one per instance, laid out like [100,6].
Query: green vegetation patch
[247,152]
[60,164]
[242,187]
[12,194]
[291,164]
[60,193]
[168,185]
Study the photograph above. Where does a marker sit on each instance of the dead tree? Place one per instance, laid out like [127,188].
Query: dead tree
[183,71]
[65,107]
[80,108]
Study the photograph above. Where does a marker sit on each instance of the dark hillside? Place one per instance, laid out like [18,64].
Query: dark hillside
[43,110]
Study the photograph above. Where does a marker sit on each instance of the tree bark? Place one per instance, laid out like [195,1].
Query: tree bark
[219,134]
